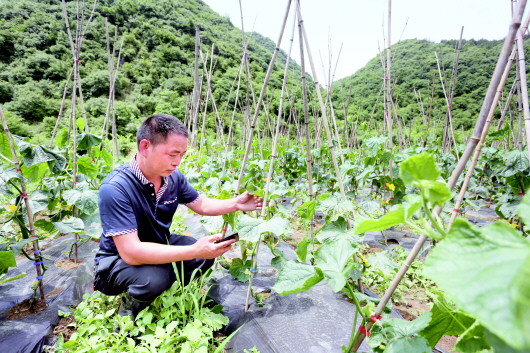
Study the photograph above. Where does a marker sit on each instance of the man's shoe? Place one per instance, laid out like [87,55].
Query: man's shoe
[130,306]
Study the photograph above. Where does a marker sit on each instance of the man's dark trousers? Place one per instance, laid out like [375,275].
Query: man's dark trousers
[145,282]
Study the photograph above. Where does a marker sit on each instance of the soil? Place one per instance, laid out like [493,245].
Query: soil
[30,306]
[68,264]
[66,327]
[26,308]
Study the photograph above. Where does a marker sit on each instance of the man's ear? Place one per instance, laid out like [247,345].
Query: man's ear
[143,147]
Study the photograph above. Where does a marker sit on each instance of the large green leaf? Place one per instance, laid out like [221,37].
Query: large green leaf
[238,269]
[397,215]
[86,200]
[248,228]
[7,259]
[87,141]
[37,154]
[434,191]
[5,149]
[397,334]
[483,271]
[515,161]
[276,225]
[38,201]
[418,167]
[5,177]
[446,320]
[251,228]
[335,261]
[524,210]
[302,248]
[87,166]
[307,210]
[71,225]
[296,277]
[472,340]
[62,137]
[416,344]
[334,207]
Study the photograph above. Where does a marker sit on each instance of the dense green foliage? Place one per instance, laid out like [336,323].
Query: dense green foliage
[157,60]
[414,68]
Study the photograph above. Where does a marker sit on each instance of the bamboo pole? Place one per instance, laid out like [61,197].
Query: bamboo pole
[479,127]
[388,89]
[322,107]
[39,267]
[59,116]
[196,86]
[273,156]
[260,99]
[449,117]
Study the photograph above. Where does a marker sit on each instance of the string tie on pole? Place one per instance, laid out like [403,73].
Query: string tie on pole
[375,318]
[38,263]
[38,278]
[37,252]
[456,210]
[364,331]
[23,195]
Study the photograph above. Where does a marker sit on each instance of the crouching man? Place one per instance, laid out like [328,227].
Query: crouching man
[137,202]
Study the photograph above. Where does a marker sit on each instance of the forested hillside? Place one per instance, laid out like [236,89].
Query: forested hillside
[157,60]
[414,68]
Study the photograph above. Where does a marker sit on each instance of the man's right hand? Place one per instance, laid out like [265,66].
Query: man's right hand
[206,248]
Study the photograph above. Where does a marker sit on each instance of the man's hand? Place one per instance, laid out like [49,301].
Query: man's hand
[206,248]
[248,202]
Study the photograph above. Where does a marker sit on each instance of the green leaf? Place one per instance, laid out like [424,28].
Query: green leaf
[231,219]
[335,260]
[416,344]
[472,340]
[80,123]
[276,225]
[384,263]
[446,320]
[239,269]
[301,249]
[524,210]
[85,200]
[45,225]
[296,277]
[62,137]
[334,207]
[418,167]
[86,166]
[87,141]
[5,149]
[71,225]
[37,154]
[435,192]
[5,177]
[515,161]
[38,201]
[307,210]
[397,215]
[249,228]
[482,271]
[7,259]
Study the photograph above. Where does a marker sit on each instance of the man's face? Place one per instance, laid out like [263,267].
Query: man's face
[162,159]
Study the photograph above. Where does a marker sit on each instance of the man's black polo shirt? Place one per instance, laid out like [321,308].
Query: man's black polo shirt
[127,203]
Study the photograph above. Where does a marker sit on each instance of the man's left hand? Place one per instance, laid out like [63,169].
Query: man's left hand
[248,202]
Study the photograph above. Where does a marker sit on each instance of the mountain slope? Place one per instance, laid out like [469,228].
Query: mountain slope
[414,68]
[157,59]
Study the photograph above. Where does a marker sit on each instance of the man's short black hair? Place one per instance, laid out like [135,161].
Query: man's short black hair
[157,128]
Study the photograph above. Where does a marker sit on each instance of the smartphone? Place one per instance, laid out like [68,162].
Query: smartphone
[228,237]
